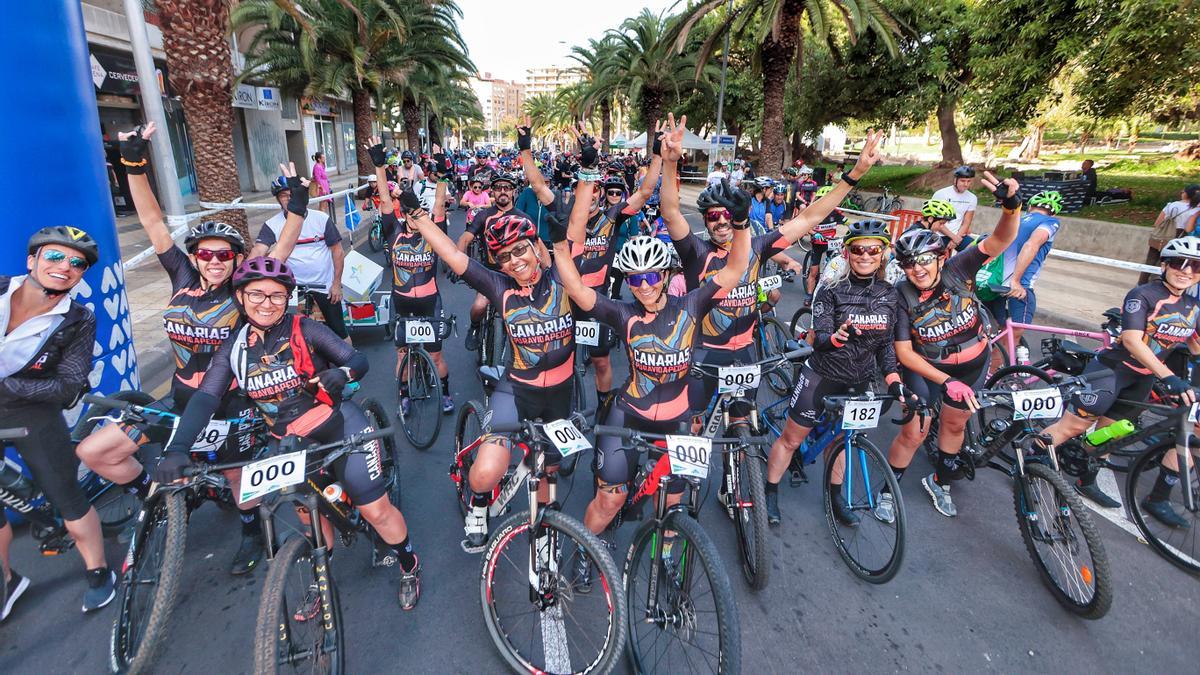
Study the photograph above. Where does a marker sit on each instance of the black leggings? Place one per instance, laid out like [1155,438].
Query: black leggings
[618,465]
[50,456]
[332,313]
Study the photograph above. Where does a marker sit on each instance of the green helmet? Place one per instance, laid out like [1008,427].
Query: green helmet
[821,192]
[938,208]
[1051,200]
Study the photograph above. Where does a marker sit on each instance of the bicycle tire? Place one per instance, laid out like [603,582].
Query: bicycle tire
[804,244]
[885,570]
[509,549]
[375,238]
[750,514]
[1101,598]
[153,574]
[274,631]
[1152,530]
[467,428]
[776,335]
[379,419]
[115,507]
[801,324]
[424,419]
[696,545]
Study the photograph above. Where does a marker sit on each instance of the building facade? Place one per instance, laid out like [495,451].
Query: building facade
[550,79]
[501,102]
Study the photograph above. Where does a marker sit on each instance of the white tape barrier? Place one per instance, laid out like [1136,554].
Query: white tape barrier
[1108,262]
[180,223]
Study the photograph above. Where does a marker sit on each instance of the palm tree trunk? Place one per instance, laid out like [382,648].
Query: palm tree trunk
[776,62]
[606,119]
[652,111]
[951,148]
[361,100]
[411,112]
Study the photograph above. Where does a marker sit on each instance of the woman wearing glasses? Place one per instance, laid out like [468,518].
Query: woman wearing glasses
[941,337]
[200,315]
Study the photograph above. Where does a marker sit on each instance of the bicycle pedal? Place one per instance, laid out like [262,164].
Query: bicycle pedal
[797,478]
[473,550]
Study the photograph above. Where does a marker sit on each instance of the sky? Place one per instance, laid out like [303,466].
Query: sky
[505,37]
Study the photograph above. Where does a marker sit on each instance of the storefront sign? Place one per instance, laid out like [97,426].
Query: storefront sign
[268,98]
[314,107]
[244,96]
[115,72]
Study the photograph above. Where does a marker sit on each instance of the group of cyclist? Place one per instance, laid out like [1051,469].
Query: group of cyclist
[239,351]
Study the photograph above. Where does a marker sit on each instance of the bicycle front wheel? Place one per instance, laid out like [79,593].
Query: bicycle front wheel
[750,512]
[689,616]
[1174,538]
[801,324]
[558,627]
[870,541]
[376,237]
[424,417]
[379,419]
[775,338]
[1063,541]
[299,620]
[467,428]
[149,584]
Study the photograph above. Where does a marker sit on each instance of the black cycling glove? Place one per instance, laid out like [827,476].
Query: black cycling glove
[556,227]
[909,399]
[734,199]
[378,155]
[656,149]
[442,166]
[524,138]
[170,467]
[133,153]
[1174,384]
[589,154]
[1008,201]
[409,201]
[298,196]
[333,381]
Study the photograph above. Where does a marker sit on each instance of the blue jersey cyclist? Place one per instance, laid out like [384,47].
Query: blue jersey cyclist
[1157,319]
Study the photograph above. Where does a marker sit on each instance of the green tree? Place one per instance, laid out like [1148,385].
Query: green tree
[603,83]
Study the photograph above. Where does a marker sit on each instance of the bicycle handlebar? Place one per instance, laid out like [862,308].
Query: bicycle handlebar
[645,438]
[345,444]
[802,351]
[579,419]
[13,433]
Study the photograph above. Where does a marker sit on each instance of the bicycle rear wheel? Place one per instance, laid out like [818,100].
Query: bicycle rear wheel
[149,584]
[379,419]
[692,618]
[565,630]
[801,324]
[116,507]
[467,428]
[299,619]
[1063,542]
[376,237]
[775,337]
[750,512]
[872,548]
[424,418]
[1178,543]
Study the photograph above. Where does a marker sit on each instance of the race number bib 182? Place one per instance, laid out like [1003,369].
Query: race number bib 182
[565,437]
[861,414]
[689,455]
[268,475]
[1037,404]
[736,379]
[418,332]
[587,333]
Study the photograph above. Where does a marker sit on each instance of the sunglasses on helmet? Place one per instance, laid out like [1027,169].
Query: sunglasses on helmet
[637,279]
[206,254]
[58,256]
[923,259]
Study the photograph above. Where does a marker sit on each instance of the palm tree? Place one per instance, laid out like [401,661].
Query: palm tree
[551,115]
[195,38]
[603,83]
[776,26]
[644,64]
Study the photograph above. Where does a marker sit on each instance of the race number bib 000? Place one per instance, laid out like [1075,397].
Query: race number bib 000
[1037,404]
[736,379]
[689,455]
[587,333]
[209,440]
[268,475]
[861,414]
[418,332]
[565,437]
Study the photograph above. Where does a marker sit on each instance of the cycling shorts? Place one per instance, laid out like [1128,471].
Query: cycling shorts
[973,372]
[50,456]
[701,396]
[816,255]
[618,465]
[360,473]
[239,442]
[1110,383]
[512,402]
[807,403]
[428,307]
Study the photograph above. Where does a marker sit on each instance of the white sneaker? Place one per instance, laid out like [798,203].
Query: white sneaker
[885,508]
[475,526]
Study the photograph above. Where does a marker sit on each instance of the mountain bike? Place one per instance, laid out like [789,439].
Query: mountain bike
[419,377]
[772,338]
[888,202]
[734,411]
[375,238]
[531,556]
[681,604]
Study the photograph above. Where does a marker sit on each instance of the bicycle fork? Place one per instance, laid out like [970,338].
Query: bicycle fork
[1183,455]
[543,545]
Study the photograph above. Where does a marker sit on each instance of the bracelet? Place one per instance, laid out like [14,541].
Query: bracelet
[744,225]
[588,176]
[133,164]
[852,182]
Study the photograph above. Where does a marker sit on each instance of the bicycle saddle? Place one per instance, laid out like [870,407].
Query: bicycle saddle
[491,375]
[1076,349]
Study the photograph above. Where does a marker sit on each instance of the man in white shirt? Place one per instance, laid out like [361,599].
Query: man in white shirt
[717,175]
[316,261]
[738,174]
[965,202]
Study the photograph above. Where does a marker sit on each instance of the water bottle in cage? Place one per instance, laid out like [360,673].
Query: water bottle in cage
[1023,355]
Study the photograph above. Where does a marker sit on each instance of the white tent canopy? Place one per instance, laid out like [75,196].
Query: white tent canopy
[690,142]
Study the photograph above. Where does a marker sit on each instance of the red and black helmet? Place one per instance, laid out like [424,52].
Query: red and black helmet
[508,230]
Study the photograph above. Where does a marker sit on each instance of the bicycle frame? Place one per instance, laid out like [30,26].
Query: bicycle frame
[1011,344]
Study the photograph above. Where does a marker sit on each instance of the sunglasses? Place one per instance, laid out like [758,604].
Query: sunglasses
[206,254]
[715,216]
[615,193]
[58,256]
[1181,265]
[871,250]
[651,278]
[923,259]
[502,188]
[477,186]
[257,297]
[516,252]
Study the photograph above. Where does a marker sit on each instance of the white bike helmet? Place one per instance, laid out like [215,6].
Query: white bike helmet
[1183,247]
[642,254]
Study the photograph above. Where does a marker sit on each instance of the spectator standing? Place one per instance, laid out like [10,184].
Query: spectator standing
[321,184]
[965,202]
[717,175]
[1087,171]
[1172,220]
[738,174]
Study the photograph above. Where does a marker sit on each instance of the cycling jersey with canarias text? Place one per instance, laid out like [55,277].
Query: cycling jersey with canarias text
[1167,323]
[594,255]
[414,263]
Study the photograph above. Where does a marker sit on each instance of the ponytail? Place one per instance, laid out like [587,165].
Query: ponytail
[1193,194]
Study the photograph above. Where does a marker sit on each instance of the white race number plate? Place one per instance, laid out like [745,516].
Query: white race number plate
[736,379]
[1037,404]
[418,332]
[689,455]
[770,283]
[587,333]
[565,437]
[268,475]
[861,414]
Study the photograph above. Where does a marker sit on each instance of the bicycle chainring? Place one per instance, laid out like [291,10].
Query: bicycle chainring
[1074,459]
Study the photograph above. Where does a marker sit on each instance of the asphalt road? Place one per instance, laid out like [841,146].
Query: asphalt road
[967,599]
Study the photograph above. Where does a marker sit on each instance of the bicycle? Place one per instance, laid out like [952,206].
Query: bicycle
[299,615]
[888,202]
[674,577]
[529,556]
[771,337]
[418,376]
[733,410]
[375,238]
[1058,532]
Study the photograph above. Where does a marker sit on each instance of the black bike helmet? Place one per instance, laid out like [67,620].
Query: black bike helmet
[868,229]
[503,177]
[211,229]
[707,199]
[917,241]
[614,182]
[65,235]
[964,172]
[279,185]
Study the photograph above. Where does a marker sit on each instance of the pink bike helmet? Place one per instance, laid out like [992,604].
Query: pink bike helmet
[263,267]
